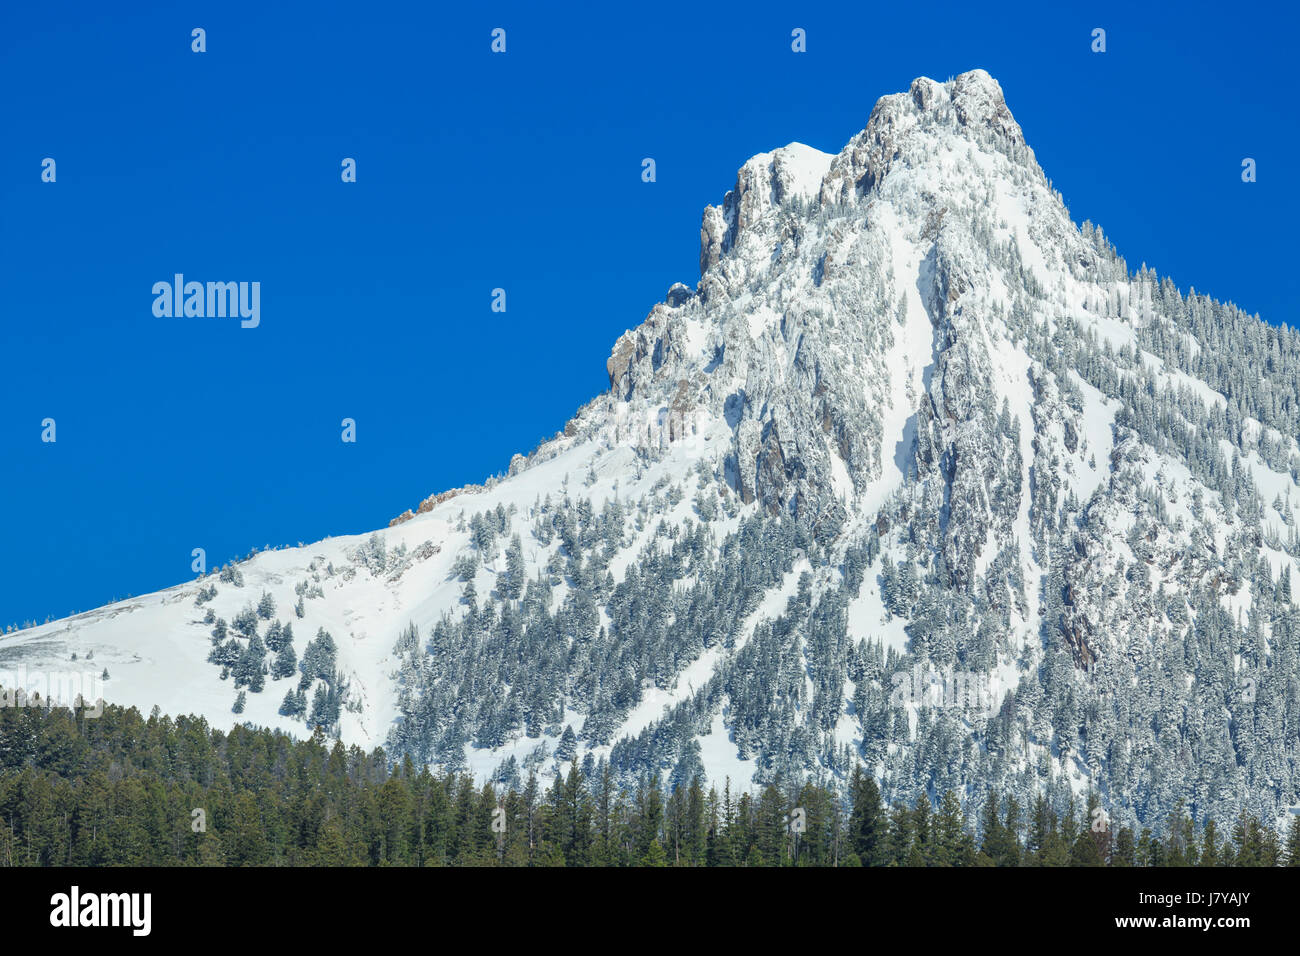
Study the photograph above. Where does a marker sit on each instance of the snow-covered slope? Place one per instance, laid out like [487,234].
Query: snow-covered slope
[912,425]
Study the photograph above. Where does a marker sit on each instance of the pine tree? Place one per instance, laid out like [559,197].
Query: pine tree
[1125,852]
[1291,855]
[900,835]
[274,638]
[654,854]
[868,829]
[286,663]
[1210,849]
[567,746]
[952,845]
[513,584]
[999,845]
[921,836]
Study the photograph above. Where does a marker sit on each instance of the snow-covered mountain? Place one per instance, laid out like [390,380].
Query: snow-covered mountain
[918,474]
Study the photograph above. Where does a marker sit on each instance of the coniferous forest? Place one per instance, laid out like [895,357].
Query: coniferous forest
[121,789]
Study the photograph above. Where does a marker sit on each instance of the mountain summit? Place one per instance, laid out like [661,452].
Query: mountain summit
[919,475]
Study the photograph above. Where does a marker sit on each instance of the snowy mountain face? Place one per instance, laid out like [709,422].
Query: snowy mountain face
[918,475]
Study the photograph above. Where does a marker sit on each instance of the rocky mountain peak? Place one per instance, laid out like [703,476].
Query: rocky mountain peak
[765,183]
[801,290]
[970,104]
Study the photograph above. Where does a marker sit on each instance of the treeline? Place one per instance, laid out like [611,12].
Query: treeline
[124,790]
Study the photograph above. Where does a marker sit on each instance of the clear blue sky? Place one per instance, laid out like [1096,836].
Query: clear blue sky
[476,171]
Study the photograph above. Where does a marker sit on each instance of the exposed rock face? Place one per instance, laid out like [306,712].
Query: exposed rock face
[768,182]
[795,315]
[713,234]
[678,295]
[431,502]
[978,100]
[630,348]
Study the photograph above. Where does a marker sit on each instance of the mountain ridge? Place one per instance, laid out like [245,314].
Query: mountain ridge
[918,420]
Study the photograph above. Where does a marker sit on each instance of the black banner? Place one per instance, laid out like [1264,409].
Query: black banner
[944,905]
